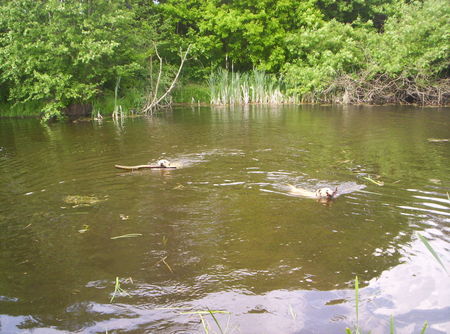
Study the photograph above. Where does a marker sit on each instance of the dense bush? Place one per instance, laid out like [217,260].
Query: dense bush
[64,52]
[323,54]
[413,51]
[415,42]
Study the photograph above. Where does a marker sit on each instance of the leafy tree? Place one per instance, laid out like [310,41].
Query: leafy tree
[414,45]
[241,34]
[416,41]
[318,56]
[376,11]
[64,52]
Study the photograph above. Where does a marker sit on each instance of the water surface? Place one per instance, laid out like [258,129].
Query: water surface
[222,232]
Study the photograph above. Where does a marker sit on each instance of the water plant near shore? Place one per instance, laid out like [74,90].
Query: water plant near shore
[117,290]
[432,251]
[357,329]
[243,88]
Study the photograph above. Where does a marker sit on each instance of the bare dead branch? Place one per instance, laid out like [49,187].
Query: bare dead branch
[383,89]
[154,101]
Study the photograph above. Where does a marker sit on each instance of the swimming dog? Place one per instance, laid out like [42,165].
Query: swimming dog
[321,193]
[163,163]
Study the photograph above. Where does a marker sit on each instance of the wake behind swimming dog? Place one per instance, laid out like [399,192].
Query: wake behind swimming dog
[321,193]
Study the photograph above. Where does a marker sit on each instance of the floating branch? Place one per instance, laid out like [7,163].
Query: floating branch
[142,167]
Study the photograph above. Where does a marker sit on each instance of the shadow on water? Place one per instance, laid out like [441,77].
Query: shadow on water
[224,223]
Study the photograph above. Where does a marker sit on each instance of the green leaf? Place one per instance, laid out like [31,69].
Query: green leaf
[424,328]
[391,326]
[432,251]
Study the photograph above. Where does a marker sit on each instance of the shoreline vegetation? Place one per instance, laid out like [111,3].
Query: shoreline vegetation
[83,58]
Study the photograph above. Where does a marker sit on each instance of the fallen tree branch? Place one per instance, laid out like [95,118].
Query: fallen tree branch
[155,100]
[383,89]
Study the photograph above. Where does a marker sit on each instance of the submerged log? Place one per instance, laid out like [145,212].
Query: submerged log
[142,167]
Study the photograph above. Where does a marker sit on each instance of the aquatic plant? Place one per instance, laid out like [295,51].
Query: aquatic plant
[243,88]
[79,200]
[378,183]
[205,323]
[357,329]
[432,251]
[201,313]
[292,312]
[117,290]
[163,260]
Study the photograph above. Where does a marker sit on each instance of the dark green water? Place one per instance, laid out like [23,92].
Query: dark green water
[231,236]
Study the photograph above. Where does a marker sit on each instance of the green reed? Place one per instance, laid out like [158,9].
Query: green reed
[432,251]
[356,330]
[117,290]
[256,86]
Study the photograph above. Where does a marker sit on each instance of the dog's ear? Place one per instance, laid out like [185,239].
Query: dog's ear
[335,191]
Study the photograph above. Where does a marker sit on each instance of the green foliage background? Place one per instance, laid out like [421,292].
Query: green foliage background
[57,53]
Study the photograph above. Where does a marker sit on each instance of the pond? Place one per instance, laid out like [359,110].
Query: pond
[222,232]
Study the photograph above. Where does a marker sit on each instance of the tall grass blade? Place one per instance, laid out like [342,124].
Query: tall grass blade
[215,320]
[391,326]
[167,265]
[117,290]
[357,303]
[292,312]
[436,256]
[424,328]
[205,326]
[378,183]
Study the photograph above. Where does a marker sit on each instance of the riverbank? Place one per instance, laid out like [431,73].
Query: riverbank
[391,53]
[231,93]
